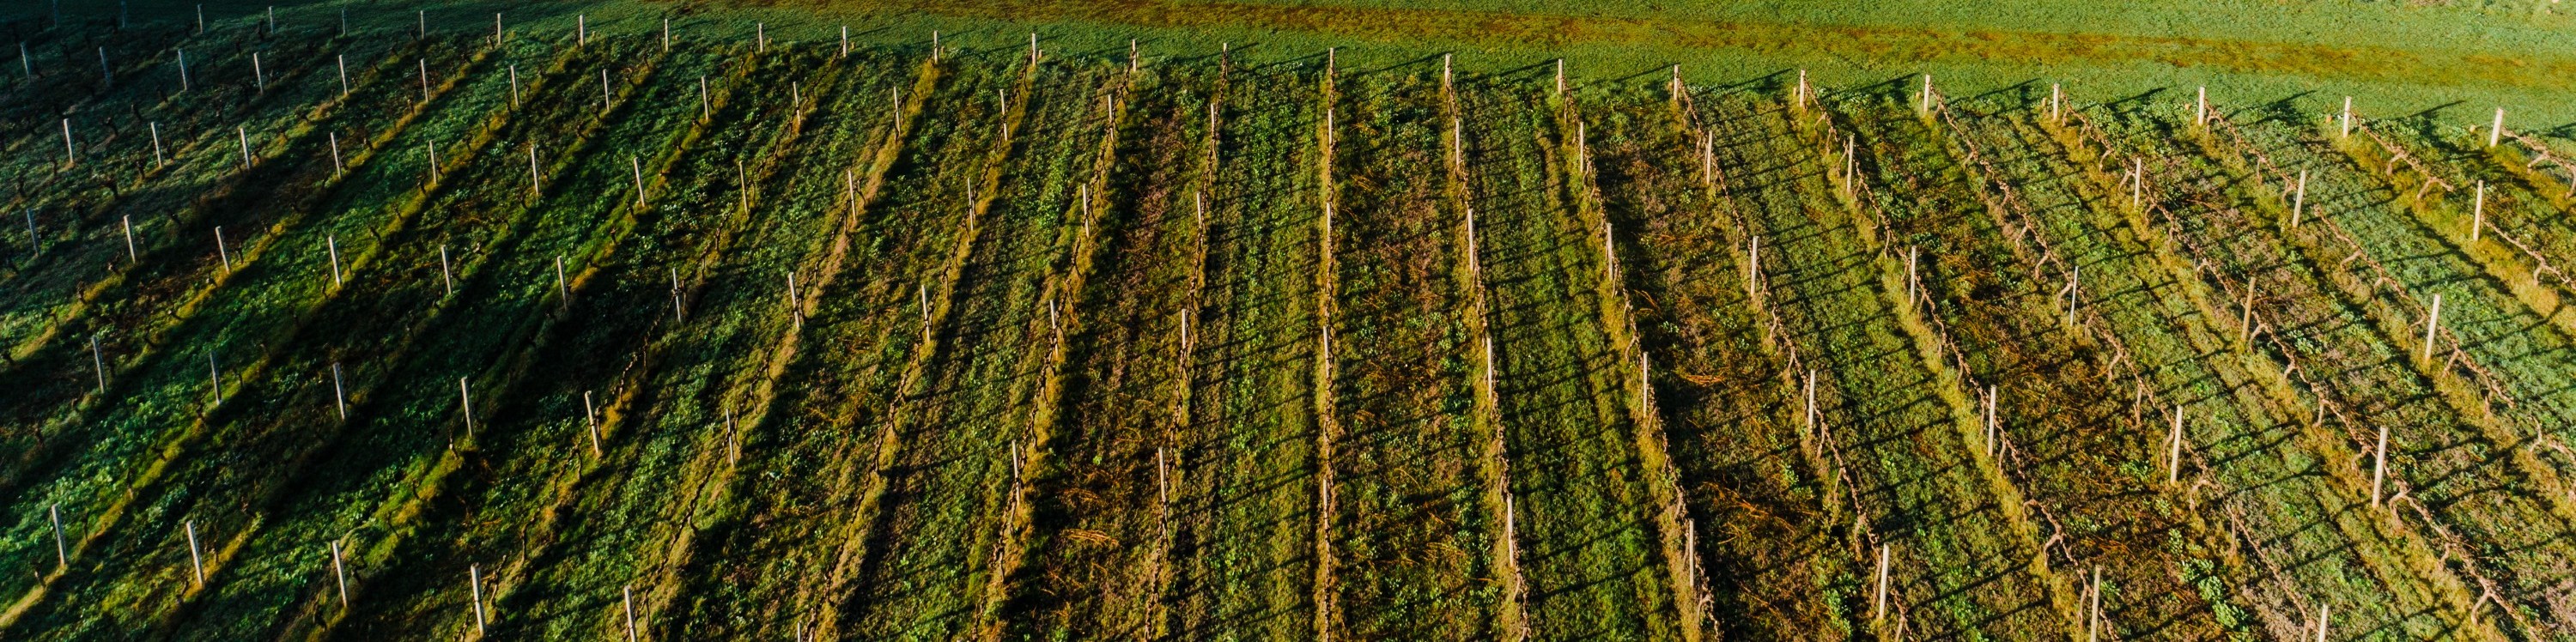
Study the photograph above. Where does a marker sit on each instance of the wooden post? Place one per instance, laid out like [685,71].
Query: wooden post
[603,91]
[129,240]
[590,420]
[2432,324]
[68,158]
[581,30]
[344,75]
[1798,97]
[514,85]
[562,291]
[196,562]
[2495,133]
[474,572]
[339,394]
[339,574]
[243,133]
[733,448]
[2173,457]
[336,168]
[183,66]
[845,41]
[2299,199]
[226,255]
[2200,108]
[666,33]
[2138,183]
[2379,465]
[1878,608]
[1560,77]
[706,110]
[62,554]
[424,80]
[331,244]
[496,42]
[106,74]
[2476,217]
[446,275]
[676,316]
[214,381]
[637,163]
[760,36]
[934,46]
[535,183]
[465,405]
[258,77]
[156,145]
[1811,417]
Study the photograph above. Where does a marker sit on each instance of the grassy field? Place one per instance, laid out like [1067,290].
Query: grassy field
[1336,320]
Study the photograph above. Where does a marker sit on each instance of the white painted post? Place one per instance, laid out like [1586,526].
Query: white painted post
[196,562]
[331,243]
[62,554]
[2173,456]
[2495,133]
[344,75]
[68,158]
[535,183]
[675,296]
[339,574]
[2478,212]
[1560,76]
[156,145]
[446,275]
[2137,183]
[706,109]
[2093,622]
[2299,199]
[1912,256]
[603,91]
[424,80]
[2200,108]
[2432,323]
[562,290]
[629,604]
[1878,608]
[666,34]
[339,394]
[1927,94]
[1752,265]
[496,42]
[845,41]
[638,164]
[336,168]
[225,254]
[590,419]
[98,359]
[514,85]
[2056,103]
[183,66]
[129,240]
[259,78]
[581,30]
[465,405]
[2347,116]
[2325,614]
[474,573]
[243,133]
[760,35]
[2379,465]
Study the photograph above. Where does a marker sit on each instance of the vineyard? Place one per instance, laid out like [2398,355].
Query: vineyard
[519,332]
